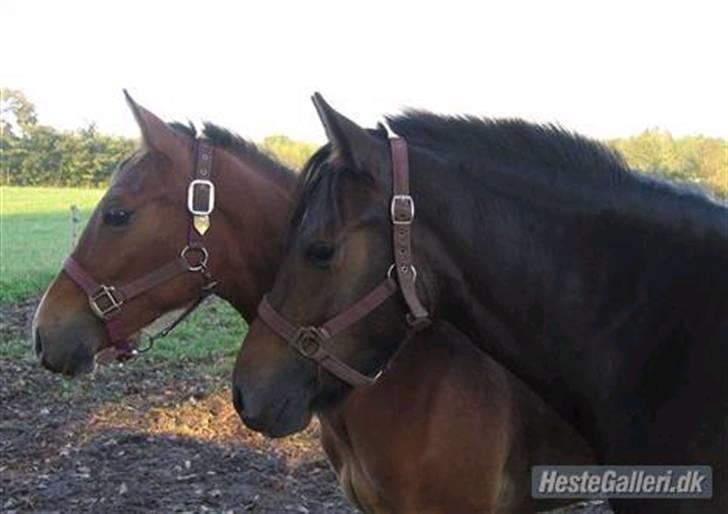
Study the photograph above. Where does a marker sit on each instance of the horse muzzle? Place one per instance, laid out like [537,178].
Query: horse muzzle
[280,416]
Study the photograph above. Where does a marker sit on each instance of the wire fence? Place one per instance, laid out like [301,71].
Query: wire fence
[38,229]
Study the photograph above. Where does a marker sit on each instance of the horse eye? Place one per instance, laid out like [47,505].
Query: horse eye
[320,253]
[116,217]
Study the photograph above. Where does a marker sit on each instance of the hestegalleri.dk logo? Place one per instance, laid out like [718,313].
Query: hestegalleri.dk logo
[622,482]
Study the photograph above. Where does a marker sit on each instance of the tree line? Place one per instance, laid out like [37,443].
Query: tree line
[697,159]
[37,154]
[40,155]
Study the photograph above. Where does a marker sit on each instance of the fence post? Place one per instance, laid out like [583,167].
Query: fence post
[75,224]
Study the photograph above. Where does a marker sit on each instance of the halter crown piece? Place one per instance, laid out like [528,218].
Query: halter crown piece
[106,301]
[311,341]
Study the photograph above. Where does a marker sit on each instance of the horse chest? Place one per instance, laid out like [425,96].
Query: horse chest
[353,481]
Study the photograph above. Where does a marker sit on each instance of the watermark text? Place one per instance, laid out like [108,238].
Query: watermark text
[622,482]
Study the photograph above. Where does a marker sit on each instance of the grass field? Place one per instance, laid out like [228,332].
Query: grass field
[35,235]
[35,238]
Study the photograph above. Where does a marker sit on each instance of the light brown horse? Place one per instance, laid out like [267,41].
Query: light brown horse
[445,429]
[142,223]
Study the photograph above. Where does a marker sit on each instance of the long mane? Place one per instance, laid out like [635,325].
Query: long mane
[532,164]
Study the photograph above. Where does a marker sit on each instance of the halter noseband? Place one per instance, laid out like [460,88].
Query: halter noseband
[106,301]
[310,341]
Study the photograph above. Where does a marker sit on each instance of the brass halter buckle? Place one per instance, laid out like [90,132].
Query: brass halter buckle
[106,301]
[309,340]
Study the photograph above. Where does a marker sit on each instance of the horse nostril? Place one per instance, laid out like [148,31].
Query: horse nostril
[237,399]
[38,343]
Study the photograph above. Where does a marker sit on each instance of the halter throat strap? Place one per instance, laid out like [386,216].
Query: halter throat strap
[310,341]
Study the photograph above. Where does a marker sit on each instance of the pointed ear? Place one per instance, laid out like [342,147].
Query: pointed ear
[350,142]
[156,134]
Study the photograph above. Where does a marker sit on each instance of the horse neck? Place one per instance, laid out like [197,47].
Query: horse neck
[560,292]
[247,228]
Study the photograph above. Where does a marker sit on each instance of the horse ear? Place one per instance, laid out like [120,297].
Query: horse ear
[156,134]
[350,142]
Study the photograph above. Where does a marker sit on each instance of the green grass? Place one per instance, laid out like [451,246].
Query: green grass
[14,347]
[211,335]
[35,238]
[35,235]
[213,332]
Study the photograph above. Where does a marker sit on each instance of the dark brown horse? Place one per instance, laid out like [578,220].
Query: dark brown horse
[460,441]
[602,289]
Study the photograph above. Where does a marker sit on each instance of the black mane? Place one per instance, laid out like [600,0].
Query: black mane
[541,164]
[559,164]
[316,169]
[224,138]
[514,142]
[320,169]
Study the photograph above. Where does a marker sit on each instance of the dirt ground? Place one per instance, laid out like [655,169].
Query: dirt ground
[148,436]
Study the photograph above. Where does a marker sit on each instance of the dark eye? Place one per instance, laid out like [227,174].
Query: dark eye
[116,217]
[320,253]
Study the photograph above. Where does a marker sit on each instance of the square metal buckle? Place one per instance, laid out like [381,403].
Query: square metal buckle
[393,210]
[197,190]
[104,302]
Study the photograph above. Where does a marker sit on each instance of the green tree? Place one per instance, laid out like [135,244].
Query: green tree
[293,153]
[16,111]
[36,154]
[697,159]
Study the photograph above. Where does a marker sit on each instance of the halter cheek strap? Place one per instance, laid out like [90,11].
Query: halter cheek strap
[106,301]
[310,341]
[402,211]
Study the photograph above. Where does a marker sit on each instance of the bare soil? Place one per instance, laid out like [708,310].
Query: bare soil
[147,436]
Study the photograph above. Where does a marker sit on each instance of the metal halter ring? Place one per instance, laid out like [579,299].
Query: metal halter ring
[107,295]
[390,272]
[202,264]
[309,339]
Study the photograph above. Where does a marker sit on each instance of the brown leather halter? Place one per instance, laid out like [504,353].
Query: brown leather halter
[310,341]
[106,301]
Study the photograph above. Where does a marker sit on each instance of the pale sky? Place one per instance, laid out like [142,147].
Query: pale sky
[609,68]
